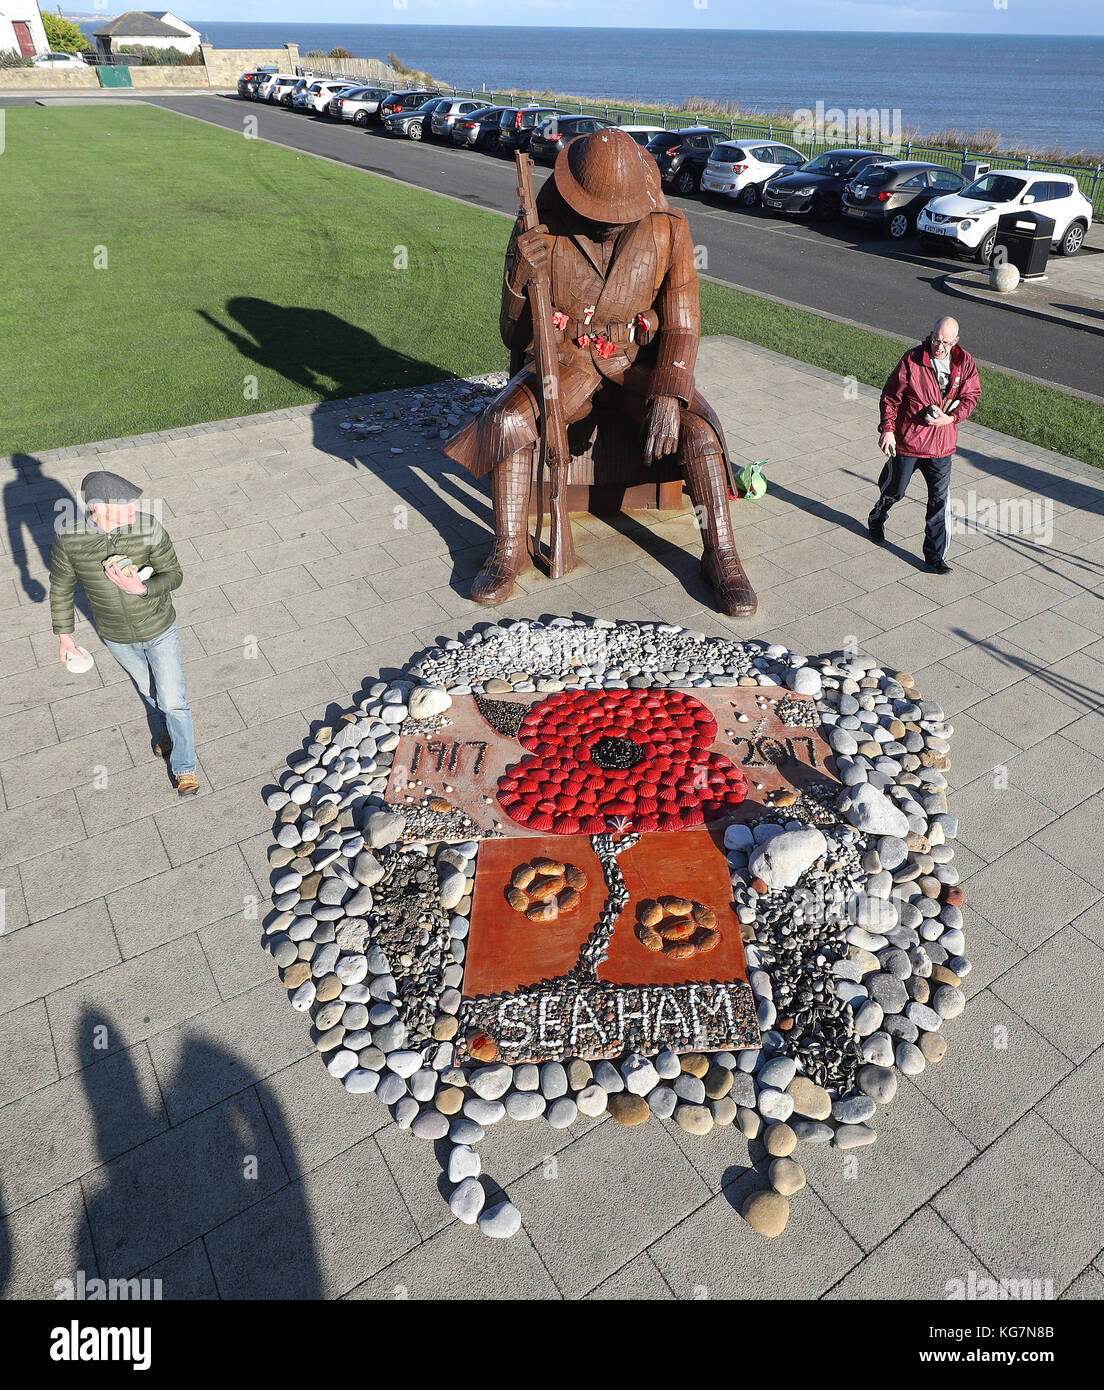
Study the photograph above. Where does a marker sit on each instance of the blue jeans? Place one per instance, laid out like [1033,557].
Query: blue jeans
[157,672]
[893,484]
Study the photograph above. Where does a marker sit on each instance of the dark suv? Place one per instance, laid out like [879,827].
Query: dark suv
[681,155]
[248,82]
[518,124]
[404,101]
[549,138]
[890,198]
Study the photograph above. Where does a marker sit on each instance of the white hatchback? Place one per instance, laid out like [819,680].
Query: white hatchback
[316,96]
[968,220]
[739,168]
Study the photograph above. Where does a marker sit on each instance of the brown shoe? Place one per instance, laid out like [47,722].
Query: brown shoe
[495,581]
[187,784]
[163,746]
[735,596]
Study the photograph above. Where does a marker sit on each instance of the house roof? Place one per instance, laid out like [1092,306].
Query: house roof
[138,24]
[170,18]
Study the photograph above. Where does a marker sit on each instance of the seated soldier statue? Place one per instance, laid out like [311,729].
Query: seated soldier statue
[623,283]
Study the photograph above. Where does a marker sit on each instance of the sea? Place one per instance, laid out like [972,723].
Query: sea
[1041,91]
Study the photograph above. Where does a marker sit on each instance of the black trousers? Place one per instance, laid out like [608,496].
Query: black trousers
[893,484]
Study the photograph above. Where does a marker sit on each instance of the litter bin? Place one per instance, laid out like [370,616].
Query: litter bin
[1025,237]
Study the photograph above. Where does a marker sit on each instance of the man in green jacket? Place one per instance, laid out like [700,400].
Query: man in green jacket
[124,561]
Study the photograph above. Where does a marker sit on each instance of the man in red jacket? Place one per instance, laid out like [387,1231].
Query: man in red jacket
[931,390]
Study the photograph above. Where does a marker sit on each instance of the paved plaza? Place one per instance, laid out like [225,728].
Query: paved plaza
[162,1109]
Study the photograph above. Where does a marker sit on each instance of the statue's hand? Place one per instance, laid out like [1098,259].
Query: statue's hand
[663,429]
[534,249]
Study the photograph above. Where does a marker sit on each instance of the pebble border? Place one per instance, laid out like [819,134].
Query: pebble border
[855,949]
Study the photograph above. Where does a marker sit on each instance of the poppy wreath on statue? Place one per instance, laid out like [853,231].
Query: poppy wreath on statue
[624,760]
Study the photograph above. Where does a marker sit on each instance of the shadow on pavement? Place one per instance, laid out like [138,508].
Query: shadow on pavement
[27,496]
[162,1189]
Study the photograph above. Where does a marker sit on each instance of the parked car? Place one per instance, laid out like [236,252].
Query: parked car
[739,169]
[479,130]
[444,118]
[890,198]
[278,88]
[549,138]
[361,105]
[57,60]
[682,155]
[816,189]
[642,133]
[518,125]
[313,98]
[394,103]
[967,221]
[250,83]
[412,124]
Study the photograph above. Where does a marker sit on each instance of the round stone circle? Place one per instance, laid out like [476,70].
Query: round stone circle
[848,901]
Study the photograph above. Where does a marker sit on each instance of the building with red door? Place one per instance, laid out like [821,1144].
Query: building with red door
[21,28]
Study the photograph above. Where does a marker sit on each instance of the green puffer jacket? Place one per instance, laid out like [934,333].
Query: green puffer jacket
[78,557]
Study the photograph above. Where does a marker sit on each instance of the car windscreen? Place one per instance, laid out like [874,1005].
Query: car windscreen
[728,154]
[877,175]
[995,188]
[829,163]
[665,140]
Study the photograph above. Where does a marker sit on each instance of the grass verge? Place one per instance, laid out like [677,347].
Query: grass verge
[238,277]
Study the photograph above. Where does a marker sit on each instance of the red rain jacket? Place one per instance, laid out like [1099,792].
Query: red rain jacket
[913,386]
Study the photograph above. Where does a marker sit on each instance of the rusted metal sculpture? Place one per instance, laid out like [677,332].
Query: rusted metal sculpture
[622,295]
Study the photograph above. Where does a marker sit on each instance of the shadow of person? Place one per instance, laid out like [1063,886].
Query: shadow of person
[34,505]
[166,1184]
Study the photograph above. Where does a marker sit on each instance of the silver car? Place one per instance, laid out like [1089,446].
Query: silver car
[358,104]
[448,113]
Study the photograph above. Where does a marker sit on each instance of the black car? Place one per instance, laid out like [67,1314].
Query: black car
[549,138]
[248,82]
[518,125]
[413,124]
[816,189]
[681,155]
[890,198]
[396,102]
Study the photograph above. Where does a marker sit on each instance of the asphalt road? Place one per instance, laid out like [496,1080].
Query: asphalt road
[836,269]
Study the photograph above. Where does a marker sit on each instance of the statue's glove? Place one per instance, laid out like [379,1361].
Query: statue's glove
[662,428]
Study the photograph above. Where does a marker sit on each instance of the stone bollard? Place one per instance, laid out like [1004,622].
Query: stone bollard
[1003,278]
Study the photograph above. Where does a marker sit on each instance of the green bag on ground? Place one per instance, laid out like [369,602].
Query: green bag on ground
[751,480]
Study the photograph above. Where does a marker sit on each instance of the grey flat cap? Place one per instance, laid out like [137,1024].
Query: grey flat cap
[103,486]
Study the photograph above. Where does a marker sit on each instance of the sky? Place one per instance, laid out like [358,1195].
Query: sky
[916,16]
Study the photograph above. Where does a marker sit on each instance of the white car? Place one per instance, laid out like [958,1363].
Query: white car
[58,60]
[968,220]
[740,168]
[278,87]
[316,96]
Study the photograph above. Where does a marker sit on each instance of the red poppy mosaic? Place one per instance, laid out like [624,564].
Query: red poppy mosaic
[619,760]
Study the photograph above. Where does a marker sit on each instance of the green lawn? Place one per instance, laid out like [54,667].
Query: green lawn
[226,258]
[229,259]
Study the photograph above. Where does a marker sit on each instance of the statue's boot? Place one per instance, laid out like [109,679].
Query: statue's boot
[510,494]
[707,484]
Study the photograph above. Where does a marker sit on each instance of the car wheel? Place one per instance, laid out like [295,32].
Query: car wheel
[1073,240]
[361,118]
[286,101]
[898,226]
[686,181]
[826,206]
[984,252]
[749,196]
[414,130]
[492,144]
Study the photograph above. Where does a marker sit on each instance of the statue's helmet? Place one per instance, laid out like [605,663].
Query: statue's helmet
[605,177]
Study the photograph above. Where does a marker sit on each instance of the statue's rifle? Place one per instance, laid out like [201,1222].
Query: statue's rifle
[554,456]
